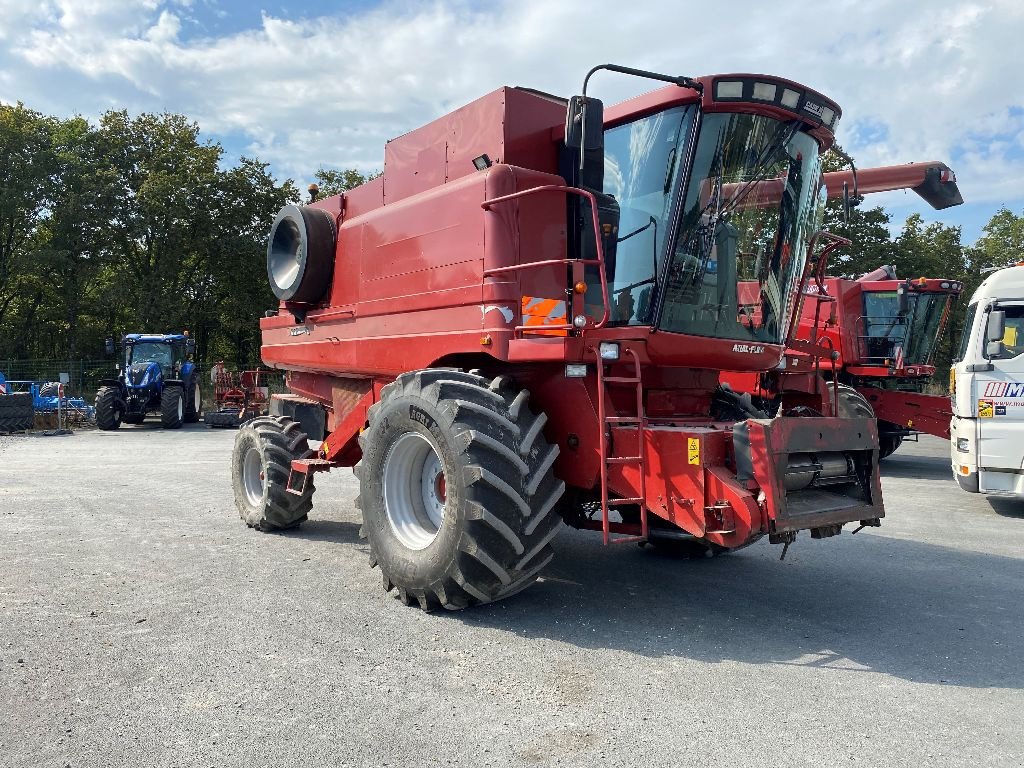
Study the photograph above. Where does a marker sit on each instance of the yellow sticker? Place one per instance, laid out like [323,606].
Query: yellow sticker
[325,449]
[985,409]
[693,449]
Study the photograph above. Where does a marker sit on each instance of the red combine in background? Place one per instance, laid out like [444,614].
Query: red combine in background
[878,331]
[523,321]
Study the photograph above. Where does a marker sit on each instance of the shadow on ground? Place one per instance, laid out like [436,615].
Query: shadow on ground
[1007,507]
[916,611]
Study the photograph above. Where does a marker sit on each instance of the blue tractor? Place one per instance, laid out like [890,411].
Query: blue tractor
[157,377]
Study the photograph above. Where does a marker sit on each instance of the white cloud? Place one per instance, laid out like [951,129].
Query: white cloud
[917,81]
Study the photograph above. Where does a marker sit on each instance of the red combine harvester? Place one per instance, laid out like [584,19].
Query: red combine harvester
[883,330]
[523,320]
[238,397]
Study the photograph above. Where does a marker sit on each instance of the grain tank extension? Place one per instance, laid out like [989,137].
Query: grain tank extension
[522,323]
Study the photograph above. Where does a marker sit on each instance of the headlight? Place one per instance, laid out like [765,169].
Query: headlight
[963,444]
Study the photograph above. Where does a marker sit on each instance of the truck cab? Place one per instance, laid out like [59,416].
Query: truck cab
[987,383]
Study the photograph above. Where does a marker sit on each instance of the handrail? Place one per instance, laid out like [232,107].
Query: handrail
[598,262]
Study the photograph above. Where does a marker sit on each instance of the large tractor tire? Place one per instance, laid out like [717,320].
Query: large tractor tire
[109,408]
[887,445]
[16,412]
[456,488]
[193,399]
[260,464]
[172,407]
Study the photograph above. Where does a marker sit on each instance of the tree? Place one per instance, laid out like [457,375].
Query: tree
[334,182]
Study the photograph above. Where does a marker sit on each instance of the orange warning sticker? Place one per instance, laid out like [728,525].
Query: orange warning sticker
[985,409]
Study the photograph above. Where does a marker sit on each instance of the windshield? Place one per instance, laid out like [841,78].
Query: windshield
[752,203]
[965,336]
[909,338]
[152,352]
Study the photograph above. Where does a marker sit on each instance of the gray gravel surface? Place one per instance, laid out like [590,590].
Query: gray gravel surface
[142,624]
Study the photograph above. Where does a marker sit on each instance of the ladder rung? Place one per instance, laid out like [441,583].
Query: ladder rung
[623,460]
[623,420]
[621,380]
[616,502]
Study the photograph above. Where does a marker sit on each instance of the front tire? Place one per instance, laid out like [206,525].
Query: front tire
[172,407]
[260,464]
[193,399]
[109,408]
[457,490]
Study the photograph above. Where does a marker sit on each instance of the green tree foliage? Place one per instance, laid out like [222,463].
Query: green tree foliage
[333,182]
[134,224]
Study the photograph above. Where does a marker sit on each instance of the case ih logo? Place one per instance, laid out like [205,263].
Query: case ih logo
[750,349]
[1004,389]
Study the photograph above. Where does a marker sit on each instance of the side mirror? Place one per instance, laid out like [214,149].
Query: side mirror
[996,325]
[190,346]
[584,131]
[903,301]
[108,345]
[995,349]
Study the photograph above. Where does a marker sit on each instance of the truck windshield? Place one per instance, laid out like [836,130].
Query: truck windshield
[752,203]
[911,338]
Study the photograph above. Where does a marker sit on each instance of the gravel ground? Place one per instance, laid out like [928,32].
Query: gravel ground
[142,624]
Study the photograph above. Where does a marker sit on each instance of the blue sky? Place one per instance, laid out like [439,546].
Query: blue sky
[318,83]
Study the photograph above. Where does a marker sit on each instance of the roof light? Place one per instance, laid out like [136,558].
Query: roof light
[827,114]
[944,285]
[790,98]
[765,91]
[729,89]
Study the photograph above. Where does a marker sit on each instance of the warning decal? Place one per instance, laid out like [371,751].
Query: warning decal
[693,449]
[985,409]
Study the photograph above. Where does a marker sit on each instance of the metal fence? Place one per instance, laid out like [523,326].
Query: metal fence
[83,375]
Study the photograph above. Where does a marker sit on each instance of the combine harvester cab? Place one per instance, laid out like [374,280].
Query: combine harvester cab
[523,322]
[987,381]
[157,376]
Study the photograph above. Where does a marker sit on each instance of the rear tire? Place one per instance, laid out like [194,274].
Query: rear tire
[852,404]
[193,399]
[16,412]
[109,408]
[457,490]
[260,464]
[172,407]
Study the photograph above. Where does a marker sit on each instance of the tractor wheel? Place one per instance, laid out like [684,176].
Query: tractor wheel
[109,408]
[172,407]
[193,399]
[16,412]
[456,489]
[260,465]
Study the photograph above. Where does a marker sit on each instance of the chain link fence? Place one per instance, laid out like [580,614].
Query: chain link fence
[83,375]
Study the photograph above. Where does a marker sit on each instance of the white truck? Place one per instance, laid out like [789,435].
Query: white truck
[987,389]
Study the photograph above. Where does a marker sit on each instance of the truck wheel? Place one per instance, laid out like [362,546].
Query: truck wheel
[172,407]
[260,464]
[193,399]
[457,489]
[109,408]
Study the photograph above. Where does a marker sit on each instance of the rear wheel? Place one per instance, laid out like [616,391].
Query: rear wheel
[109,408]
[172,407]
[193,399]
[457,489]
[16,412]
[852,404]
[260,464]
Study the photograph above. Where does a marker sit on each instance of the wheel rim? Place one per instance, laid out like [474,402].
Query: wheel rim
[253,476]
[196,399]
[181,408]
[415,490]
